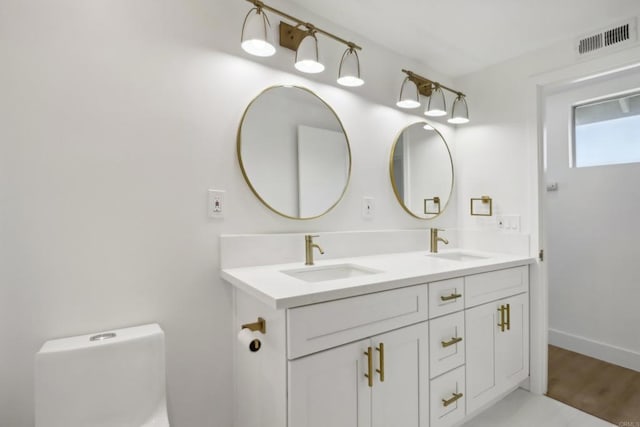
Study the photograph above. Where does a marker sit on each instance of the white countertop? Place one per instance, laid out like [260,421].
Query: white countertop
[269,284]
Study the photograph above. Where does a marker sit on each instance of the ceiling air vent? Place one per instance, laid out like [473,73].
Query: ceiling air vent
[616,36]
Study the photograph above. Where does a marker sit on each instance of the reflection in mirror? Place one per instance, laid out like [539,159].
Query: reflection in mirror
[294,152]
[421,171]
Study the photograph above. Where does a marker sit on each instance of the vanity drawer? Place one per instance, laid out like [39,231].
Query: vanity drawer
[485,287]
[320,326]
[447,398]
[446,297]
[446,343]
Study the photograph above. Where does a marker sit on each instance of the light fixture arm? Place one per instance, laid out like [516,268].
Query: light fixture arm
[310,27]
[423,82]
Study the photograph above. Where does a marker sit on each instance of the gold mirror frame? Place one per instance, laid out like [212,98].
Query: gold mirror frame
[393,180]
[242,166]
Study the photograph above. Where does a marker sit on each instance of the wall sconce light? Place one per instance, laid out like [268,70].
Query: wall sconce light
[349,71]
[409,94]
[415,85]
[307,58]
[459,111]
[256,34]
[300,38]
[437,106]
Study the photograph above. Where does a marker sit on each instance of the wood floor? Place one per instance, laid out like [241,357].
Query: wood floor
[599,388]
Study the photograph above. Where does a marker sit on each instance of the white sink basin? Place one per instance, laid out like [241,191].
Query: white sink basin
[329,272]
[459,256]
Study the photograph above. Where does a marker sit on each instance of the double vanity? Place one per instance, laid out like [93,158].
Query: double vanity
[404,339]
[408,338]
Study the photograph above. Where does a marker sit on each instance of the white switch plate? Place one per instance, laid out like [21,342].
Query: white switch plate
[215,205]
[510,223]
[368,207]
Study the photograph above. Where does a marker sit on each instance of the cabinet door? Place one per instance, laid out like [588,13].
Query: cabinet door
[497,357]
[512,345]
[481,329]
[402,399]
[330,388]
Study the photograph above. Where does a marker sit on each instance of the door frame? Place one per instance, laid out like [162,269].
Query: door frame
[538,87]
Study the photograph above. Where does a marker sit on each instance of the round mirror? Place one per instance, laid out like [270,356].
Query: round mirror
[421,171]
[294,152]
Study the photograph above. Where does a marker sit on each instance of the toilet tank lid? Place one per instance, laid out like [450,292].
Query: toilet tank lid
[101,338]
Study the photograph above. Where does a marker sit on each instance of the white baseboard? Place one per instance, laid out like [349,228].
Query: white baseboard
[599,350]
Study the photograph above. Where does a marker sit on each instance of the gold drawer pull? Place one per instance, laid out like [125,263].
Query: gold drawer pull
[450,297]
[502,323]
[455,397]
[508,317]
[453,341]
[380,371]
[369,374]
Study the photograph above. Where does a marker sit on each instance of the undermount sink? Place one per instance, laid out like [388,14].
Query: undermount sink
[329,272]
[458,256]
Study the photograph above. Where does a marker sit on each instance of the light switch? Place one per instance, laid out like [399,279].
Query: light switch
[215,205]
[368,207]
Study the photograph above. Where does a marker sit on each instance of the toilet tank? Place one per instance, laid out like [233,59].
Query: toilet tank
[108,379]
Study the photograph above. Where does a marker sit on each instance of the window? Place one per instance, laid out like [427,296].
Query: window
[607,132]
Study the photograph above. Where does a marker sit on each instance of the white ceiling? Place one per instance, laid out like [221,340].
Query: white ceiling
[461,36]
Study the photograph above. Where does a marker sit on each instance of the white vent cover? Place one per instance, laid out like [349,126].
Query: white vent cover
[614,36]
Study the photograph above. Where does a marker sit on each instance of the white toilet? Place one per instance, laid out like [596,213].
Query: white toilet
[112,379]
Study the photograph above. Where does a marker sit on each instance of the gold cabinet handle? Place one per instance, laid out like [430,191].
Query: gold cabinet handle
[450,297]
[380,371]
[508,317]
[502,323]
[369,374]
[453,341]
[447,402]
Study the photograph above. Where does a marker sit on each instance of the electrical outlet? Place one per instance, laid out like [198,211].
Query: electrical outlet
[368,207]
[215,205]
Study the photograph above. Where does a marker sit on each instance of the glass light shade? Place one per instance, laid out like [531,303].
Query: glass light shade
[307,59]
[349,72]
[437,105]
[427,126]
[256,34]
[409,95]
[459,111]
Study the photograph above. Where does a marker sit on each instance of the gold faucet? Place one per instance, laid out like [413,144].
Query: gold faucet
[308,248]
[435,239]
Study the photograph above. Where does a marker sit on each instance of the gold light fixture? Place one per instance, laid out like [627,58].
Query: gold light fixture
[409,94]
[437,106]
[415,85]
[256,34]
[459,111]
[307,58]
[302,39]
[349,71]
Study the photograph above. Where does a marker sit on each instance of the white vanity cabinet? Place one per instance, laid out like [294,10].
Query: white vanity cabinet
[422,355]
[333,387]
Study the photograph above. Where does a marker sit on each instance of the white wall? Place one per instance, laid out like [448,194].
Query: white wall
[115,118]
